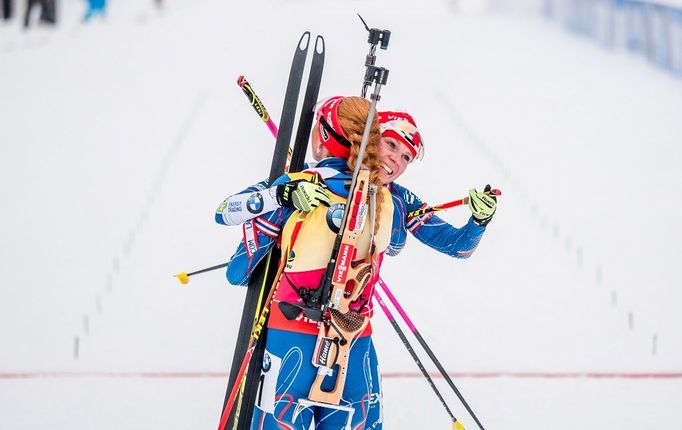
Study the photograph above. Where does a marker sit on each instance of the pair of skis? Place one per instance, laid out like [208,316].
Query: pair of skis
[237,413]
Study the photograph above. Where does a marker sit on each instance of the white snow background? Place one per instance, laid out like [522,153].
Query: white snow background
[120,138]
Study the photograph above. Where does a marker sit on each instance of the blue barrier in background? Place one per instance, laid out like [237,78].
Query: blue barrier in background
[650,29]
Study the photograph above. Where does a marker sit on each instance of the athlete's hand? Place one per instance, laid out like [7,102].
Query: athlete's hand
[302,195]
[482,205]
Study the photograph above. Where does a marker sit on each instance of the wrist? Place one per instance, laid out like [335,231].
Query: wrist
[481,222]
[275,193]
[282,194]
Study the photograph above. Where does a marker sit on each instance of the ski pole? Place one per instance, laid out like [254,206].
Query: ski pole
[257,104]
[259,107]
[464,201]
[183,277]
[428,350]
[456,425]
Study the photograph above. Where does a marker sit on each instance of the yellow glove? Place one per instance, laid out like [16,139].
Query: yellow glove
[482,205]
[302,195]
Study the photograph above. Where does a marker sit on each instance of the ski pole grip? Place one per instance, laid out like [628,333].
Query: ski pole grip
[253,99]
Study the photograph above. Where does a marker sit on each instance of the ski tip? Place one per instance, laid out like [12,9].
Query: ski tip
[496,192]
[319,45]
[241,80]
[183,278]
[304,41]
[456,425]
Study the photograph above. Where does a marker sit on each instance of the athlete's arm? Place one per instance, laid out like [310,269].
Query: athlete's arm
[430,229]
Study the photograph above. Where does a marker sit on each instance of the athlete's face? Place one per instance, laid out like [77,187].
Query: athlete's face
[394,158]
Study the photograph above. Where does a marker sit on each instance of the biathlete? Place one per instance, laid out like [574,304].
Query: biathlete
[264,209]
[288,373]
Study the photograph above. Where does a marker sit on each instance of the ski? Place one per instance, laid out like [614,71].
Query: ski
[307,115]
[264,276]
[296,164]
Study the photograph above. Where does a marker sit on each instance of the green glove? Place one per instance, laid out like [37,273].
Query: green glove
[302,195]
[482,205]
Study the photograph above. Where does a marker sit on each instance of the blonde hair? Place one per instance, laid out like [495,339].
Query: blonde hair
[353,112]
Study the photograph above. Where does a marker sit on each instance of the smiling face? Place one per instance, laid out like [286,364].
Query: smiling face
[394,157]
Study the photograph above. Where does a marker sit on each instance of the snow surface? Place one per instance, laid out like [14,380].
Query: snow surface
[119,139]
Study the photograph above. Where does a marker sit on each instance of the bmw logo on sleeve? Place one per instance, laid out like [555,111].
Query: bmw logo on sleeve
[267,362]
[335,216]
[255,203]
